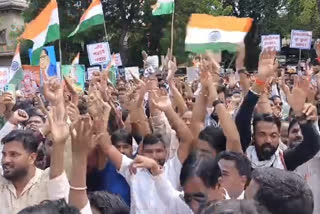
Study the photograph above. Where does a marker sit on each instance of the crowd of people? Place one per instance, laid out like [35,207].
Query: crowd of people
[237,143]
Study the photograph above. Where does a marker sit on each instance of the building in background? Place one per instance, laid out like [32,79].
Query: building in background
[11,22]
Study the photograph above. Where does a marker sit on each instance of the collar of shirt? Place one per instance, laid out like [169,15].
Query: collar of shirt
[34,180]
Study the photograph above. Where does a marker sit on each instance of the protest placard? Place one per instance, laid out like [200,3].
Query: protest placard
[4,75]
[99,53]
[31,80]
[271,41]
[117,60]
[301,39]
[91,70]
[134,71]
[76,73]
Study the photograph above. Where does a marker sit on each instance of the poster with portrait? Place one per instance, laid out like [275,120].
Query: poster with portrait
[31,80]
[77,75]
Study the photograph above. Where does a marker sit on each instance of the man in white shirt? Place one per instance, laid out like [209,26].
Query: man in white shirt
[235,173]
[22,184]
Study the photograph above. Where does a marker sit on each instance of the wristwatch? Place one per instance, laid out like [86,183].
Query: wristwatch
[216,102]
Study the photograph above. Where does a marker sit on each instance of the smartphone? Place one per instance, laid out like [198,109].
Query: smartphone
[10,88]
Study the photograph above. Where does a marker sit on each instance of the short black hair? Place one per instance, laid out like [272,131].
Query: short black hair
[33,112]
[46,51]
[235,207]
[51,207]
[291,124]
[202,166]
[283,192]
[121,135]
[242,163]
[274,97]
[215,138]
[152,139]
[23,105]
[27,137]
[266,118]
[108,203]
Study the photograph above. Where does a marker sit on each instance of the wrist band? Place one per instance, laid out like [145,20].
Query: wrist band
[260,82]
[78,188]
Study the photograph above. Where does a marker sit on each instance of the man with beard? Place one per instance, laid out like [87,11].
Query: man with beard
[265,151]
[310,170]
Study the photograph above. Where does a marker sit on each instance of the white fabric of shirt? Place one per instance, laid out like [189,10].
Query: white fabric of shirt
[86,209]
[144,196]
[39,189]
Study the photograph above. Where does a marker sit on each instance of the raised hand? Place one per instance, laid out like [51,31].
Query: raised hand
[82,138]
[59,128]
[162,103]
[297,97]
[267,64]
[210,63]
[310,111]
[73,112]
[53,91]
[145,163]
[18,116]
[172,66]
[96,106]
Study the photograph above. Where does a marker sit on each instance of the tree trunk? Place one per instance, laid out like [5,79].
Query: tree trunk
[123,44]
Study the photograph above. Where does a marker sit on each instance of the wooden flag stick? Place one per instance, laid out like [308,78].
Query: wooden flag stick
[172,22]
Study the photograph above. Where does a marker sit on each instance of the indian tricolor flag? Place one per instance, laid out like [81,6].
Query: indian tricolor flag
[91,17]
[216,33]
[43,29]
[163,7]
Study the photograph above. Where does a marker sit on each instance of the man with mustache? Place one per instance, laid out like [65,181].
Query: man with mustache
[265,151]
[310,170]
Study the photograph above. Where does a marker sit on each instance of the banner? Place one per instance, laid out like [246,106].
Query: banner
[91,70]
[31,80]
[99,53]
[134,71]
[271,41]
[77,75]
[301,39]
[4,75]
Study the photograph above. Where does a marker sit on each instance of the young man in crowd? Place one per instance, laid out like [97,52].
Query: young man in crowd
[22,184]
[235,173]
[280,191]
[266,128]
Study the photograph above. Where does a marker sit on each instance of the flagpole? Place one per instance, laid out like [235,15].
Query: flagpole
[172,21]
[60,53]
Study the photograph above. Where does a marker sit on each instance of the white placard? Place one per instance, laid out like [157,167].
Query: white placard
[153,61]
[99,53]
[192,74]
[91,70]
[117,60]
[4,75]
[301,39]
[271,41]
[134,71]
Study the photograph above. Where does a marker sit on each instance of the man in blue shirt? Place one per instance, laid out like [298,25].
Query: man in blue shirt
[109,179]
